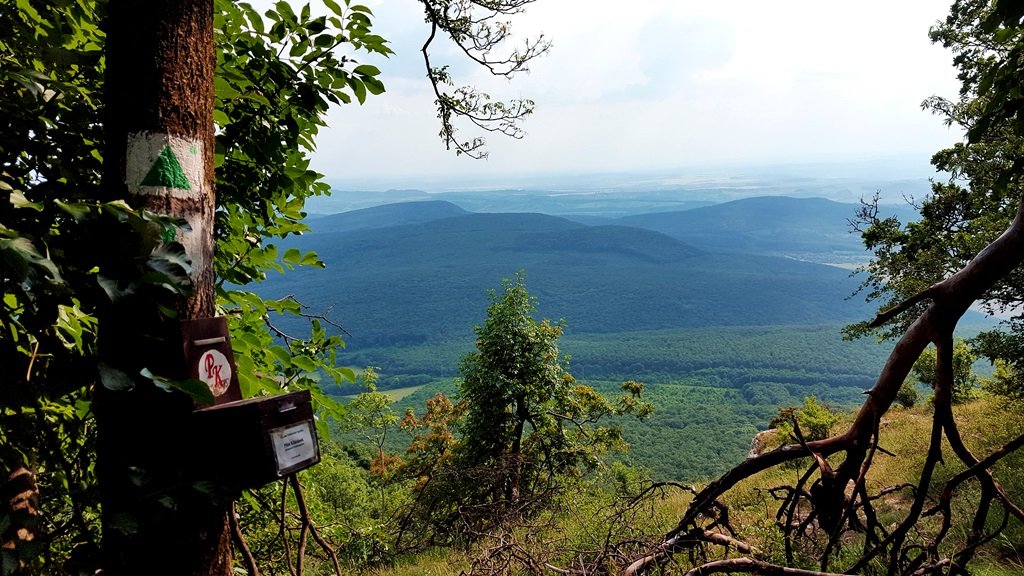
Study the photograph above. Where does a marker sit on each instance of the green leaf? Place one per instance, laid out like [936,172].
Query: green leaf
[304,363]
[282,355]
[251,500]
[76,210]
[26,8]
[18,200]
[112,288]
[373,86]
[323,40]
[346,373]
[358,88]
[333,7]
[21,253]
[292,256]
[256,96]
[311,259]
[366,70]
[316,26]
[114,379]
[171,259]
[254,18]
[196,389]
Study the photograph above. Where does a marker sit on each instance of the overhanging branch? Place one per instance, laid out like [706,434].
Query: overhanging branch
[950,300]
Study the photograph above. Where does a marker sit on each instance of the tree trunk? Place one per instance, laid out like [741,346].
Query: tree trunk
[158,517]
[512,491]
[19,505]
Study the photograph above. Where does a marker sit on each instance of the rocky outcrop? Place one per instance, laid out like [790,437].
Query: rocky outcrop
[760,442]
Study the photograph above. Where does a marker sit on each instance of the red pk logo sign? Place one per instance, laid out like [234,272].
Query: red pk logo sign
[215,371]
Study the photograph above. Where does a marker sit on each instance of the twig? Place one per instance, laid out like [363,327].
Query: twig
[887,315]
[241,544]
[284,529]
[307,524]
[750,565]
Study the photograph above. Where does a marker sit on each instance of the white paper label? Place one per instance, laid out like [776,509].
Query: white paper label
[293,445]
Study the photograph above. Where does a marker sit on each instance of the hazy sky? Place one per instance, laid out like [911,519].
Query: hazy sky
[642,84]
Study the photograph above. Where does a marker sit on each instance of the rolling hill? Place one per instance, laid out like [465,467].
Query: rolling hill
[721,337]
[426,281]
[814,229]
[386,216]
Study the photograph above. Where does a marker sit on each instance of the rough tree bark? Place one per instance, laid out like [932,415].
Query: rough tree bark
[19,503]
[950,299]
[157,517]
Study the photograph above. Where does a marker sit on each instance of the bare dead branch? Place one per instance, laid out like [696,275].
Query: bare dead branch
[983,464]
[887,315]
[478,37]
[308,526]
[729,542]
[283,533]
[750,565]
[241,544]
[932,568]
[321,317]
[950,299]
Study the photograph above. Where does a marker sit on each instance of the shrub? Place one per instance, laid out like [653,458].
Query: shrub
[907,396]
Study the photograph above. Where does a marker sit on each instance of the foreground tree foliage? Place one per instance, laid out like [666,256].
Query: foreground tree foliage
[526,416]
[67,252]
[965,381]
[968,247]
[523,429]
[976,204]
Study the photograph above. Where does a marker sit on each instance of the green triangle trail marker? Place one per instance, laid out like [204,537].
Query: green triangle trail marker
[166,171]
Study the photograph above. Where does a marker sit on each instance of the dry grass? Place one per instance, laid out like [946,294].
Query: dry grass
[436,562]
[397,394]
[985,425]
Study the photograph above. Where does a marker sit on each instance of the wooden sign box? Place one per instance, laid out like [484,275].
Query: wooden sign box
[249,443]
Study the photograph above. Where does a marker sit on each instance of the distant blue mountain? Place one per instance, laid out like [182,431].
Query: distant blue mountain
[386,216]
[391,282]
[808,228]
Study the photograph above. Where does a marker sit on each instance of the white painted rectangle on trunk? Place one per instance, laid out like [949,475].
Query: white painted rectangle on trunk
[166,165]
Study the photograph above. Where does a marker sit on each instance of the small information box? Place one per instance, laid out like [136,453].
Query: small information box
[256,441]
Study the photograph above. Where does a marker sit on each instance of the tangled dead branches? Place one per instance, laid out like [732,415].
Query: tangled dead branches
[833,506]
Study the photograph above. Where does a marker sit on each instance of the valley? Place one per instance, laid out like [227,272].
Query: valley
[725,311]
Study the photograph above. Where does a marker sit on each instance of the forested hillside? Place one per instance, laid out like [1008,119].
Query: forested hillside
[385,216]
[815,229]
[724,383]
[425,282]
[800,360]
[721,338]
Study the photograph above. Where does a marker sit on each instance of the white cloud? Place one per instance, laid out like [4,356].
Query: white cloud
[659,83]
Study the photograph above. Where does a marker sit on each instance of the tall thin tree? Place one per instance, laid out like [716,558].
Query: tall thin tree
[158,518]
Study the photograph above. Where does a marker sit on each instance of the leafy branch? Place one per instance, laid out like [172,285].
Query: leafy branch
[478,36]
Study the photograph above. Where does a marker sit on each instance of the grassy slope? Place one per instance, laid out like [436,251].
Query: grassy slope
[985,425]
